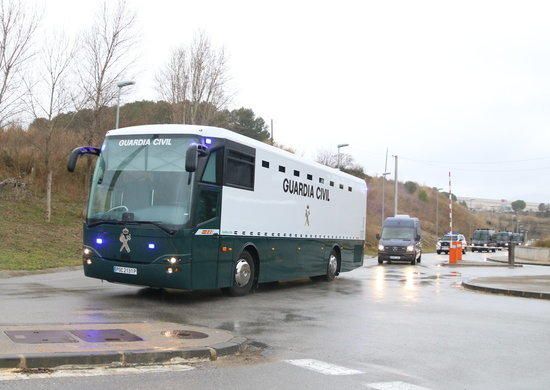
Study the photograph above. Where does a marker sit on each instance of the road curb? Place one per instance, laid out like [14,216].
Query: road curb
[37,360]
[478,264]
[469,284]
[517,261]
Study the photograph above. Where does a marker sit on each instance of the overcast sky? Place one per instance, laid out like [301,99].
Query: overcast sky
[445,85]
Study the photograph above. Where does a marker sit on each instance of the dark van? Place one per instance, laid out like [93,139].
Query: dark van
[400,240]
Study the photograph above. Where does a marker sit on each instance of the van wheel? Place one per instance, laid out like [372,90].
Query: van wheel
[332,266]
[243,276]
[380,261]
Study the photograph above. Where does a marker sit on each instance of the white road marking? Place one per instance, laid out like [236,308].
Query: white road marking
[395,386]
[100,371]
[323,367]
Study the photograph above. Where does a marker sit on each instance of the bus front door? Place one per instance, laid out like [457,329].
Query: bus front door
[206,239]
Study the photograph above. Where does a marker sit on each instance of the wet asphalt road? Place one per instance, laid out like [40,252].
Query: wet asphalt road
[390,323]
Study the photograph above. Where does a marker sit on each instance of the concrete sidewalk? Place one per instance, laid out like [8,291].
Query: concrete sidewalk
[52,345]
[536,286]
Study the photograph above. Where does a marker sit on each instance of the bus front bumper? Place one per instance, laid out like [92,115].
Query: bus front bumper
[151,275]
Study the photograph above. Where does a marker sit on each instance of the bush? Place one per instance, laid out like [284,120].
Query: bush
[411,187]
[423,196]
[544,243]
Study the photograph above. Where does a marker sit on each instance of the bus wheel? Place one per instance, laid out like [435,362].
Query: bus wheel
[243,276]
[332,266]
[380,261]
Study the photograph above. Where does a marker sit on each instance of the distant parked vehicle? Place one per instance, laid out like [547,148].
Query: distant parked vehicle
[518,238]
[444,243]
[400,240]
[503,239]
[483,240]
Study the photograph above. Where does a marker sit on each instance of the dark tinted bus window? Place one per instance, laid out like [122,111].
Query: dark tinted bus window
[207,207]
[240,170]
[265,164]
[309,177]
[282,169]
[296,173]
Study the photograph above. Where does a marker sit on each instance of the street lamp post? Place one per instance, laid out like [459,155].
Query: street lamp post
[121,85]
[338,156]
[437,211]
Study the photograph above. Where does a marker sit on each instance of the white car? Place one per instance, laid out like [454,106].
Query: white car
[443,244]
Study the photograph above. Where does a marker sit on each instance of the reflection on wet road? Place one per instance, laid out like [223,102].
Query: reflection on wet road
[392,322]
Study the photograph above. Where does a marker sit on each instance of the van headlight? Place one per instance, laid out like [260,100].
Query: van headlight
[410,248]
[380,247]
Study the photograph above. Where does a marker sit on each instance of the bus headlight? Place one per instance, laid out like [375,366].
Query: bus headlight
[410,248]
[173,260]
[380,247]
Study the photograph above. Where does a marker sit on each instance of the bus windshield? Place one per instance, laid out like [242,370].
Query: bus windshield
[397,233]
[141,178]
[481,235]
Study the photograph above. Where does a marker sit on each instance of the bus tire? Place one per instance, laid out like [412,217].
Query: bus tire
[243,276]
[419,258]
[332,266]
[380,261]
[413,261]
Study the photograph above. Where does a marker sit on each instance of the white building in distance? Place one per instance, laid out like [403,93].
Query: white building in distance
[494,205]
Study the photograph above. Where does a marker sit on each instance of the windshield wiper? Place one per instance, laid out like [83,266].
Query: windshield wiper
[157,224]
[116,222]
[105,222]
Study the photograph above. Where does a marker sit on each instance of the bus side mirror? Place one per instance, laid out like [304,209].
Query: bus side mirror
[194,151]
[378,236]
[77,152]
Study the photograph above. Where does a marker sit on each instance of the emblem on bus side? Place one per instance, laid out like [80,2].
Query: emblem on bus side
[125,236]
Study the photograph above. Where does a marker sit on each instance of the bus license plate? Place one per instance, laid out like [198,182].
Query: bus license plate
[125,270]
[395,257]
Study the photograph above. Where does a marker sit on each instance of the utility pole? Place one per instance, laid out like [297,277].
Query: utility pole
[383,186]
[437,211]
[395,188]
[121,85]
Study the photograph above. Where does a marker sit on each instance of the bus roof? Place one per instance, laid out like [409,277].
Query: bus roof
[217,132]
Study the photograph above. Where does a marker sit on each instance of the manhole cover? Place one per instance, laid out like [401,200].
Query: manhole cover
[105,335]
[184,334]
[40,336]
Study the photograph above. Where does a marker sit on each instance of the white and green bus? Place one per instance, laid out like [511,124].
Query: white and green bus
[197,207]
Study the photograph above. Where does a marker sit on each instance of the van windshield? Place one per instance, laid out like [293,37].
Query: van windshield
[397,233]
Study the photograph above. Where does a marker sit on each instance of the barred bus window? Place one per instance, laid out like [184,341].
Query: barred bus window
[341,186]
[265,164]
[309,177]
[296,173]
[240,170]
[282,169]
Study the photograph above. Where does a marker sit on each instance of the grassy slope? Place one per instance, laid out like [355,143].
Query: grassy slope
[27,242]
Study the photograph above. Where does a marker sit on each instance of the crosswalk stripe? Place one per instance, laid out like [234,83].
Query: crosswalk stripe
[100,371]
[394,386]
[323,367]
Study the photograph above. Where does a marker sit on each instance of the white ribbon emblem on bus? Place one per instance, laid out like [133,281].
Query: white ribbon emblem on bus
[125,236]
[308,213]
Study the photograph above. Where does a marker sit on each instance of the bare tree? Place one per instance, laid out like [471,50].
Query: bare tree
[330,159]
[51,95]
[194,81]
[17,28]
[107,56]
